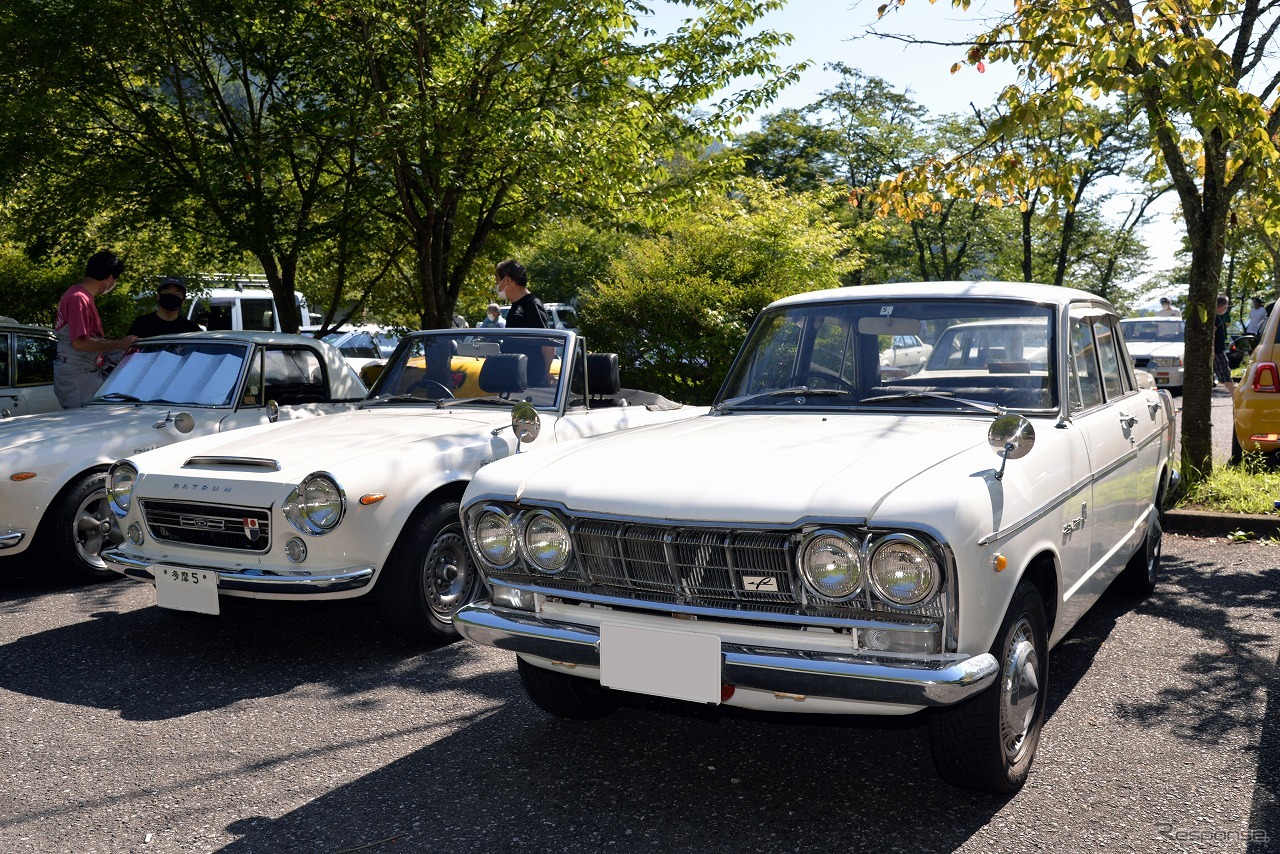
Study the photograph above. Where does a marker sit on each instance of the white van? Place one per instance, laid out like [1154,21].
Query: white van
[562,315]
[241,308]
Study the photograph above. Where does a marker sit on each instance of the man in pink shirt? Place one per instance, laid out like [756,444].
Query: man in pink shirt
[79,367]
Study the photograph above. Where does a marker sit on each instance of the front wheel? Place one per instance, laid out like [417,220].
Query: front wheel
[987,743]
[565,696]
[428,577]
[82,527]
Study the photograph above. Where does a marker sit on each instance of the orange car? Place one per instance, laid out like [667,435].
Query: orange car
[1256,422]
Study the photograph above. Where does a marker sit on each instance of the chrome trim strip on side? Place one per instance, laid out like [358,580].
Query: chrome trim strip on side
[244,462]
[9,539]
[1063,496]
[846,676]
[249,580]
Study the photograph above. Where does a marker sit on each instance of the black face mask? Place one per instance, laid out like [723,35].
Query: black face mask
[170,302]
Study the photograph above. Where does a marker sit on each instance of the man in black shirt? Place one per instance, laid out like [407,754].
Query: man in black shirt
[526,312]
[167,317]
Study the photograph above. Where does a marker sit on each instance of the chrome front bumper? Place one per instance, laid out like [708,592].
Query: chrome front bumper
[846,676]
[9,539]
[252,580]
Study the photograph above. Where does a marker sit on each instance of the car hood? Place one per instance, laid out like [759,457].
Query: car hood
[1152,349]
[126,423]
[762,469]
[301,447]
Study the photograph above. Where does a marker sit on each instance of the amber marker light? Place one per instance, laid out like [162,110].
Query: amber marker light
[999,562]
[22,475]
[372,498]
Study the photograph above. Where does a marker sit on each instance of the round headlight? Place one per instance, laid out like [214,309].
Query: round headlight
[830,567]
[495,538]
[316,505]
[903,570]
[546,542]
[121,479]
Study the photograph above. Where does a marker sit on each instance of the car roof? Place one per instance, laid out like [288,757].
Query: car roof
[229,293]
[10,323]
[1145,319]
[1021,291]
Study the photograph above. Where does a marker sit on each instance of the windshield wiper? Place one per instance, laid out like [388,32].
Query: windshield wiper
[119,396]
[793,391]
[949,397]
[401,398]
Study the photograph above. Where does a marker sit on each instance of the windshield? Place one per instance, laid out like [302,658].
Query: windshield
[908,354]
[195,373]
[1152,331]
[497,368]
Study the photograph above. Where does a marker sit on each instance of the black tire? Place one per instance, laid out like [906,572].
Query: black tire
[566,696]
[428,577]
[82,525]
[987,743]
[1143,570]
[1237,452]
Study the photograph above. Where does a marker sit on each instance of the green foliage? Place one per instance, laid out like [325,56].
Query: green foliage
[676,305]
[1250,487]
[569,257]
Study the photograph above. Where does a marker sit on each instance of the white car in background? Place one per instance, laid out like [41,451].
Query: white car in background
[366,503]
[906,353]
[1156,346]
[168,389]
[26,369]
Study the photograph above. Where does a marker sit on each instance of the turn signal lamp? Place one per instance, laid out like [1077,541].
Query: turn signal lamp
[22,475]
[372,498]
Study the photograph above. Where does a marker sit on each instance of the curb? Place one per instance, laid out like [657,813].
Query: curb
[1206,523]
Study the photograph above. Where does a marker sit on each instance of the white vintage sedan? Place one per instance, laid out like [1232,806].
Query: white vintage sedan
[367,502]
[168,389]
[1156,346]
[26,369]
[834,537]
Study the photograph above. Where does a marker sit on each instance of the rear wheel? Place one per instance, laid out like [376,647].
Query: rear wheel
[1143,570]
[1237,452]
[566,696]
[987,743]
[82,526]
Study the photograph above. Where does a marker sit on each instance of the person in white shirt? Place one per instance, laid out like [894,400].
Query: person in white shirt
[1167,309]
[1257,318]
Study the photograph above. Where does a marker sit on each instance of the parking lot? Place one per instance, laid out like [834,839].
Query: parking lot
[305,728]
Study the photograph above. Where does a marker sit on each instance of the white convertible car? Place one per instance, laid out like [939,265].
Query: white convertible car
[367,502]
[836,537]
[168,389]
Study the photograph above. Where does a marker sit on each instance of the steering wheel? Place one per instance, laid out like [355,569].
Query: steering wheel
[434,390]
[795,379]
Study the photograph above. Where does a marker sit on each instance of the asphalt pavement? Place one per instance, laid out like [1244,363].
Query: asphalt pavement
[290,727]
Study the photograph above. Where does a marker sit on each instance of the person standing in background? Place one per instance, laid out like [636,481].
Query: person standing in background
[1167,309]
[1221,367]
[526,312]
[82,358]
[1257,318]
[493,318]
[167,317]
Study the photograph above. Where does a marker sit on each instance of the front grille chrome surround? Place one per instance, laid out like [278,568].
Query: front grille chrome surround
[213,526]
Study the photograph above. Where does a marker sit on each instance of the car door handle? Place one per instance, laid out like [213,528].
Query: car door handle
[1128,421]
[1153,408]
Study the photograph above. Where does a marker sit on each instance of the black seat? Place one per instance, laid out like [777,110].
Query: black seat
[602,374]
[505,373]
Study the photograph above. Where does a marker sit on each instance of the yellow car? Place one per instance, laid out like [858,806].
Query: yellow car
[1256,423]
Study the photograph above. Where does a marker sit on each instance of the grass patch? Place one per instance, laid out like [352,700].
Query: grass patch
[1251,487]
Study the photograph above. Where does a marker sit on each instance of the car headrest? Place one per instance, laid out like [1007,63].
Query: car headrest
[602,373]
[505,373]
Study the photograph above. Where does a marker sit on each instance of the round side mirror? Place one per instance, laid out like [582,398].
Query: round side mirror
[184,422]
[1011,436]
[525,421]
[273,411]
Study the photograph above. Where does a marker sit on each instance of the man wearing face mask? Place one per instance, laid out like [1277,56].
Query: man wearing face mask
[167,317]
[83,348]
[526,312]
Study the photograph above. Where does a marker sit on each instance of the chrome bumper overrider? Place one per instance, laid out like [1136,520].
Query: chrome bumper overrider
[846,676]
[9,539]
[250,580]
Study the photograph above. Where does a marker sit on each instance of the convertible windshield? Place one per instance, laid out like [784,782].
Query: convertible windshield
[498,367]
[909,354]
[189,373]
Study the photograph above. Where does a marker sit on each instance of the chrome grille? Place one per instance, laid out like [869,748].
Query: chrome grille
[215,526]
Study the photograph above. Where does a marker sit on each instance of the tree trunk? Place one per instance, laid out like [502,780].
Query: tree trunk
[1206,268]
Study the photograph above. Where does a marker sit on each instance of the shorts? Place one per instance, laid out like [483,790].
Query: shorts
[1221,368]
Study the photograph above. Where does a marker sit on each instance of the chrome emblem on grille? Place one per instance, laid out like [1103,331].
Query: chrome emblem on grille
[760,583]
[251,530]
[204,523]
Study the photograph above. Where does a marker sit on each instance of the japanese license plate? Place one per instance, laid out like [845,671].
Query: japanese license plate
[186,589]
[661,662]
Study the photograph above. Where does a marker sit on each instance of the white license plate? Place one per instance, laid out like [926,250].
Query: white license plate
[661,662]
[186,589]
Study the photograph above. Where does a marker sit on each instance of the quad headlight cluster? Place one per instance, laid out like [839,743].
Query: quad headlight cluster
[539,536]
[900,569]
[316,505]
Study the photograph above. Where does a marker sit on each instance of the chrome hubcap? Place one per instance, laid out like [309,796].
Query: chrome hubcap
[95,529]
[1019,689]
[448,575]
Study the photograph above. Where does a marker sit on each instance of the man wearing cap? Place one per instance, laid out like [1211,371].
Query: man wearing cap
[1167,309]
[167,317]
[493,318]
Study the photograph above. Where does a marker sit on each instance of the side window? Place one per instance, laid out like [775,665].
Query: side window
[257,314]
[831,348]
[291,376]
[4,361]
[360,346]
[253,395]
[1086,386]
[1108,355]
[33,360]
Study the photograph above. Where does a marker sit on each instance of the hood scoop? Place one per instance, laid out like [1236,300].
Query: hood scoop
[232,462]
